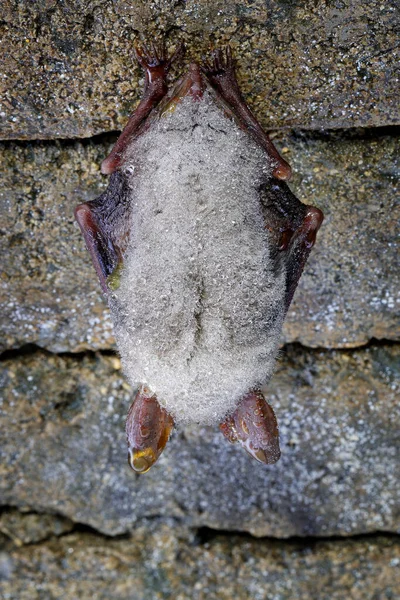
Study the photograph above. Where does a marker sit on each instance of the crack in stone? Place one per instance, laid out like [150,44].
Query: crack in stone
[109,137]
[208,534]
[203,535]
[32,349]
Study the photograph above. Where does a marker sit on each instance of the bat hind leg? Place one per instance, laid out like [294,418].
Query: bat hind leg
[156,65]
[220,71]
[253,424]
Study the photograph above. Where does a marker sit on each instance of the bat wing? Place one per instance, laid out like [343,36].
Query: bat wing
[293,227]
[105,226]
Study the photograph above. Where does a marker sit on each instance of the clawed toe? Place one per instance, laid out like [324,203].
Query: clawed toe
[155,55]
[150,56]
[180,49]
[221,63]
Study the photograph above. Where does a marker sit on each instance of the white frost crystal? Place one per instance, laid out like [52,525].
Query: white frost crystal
[199,310]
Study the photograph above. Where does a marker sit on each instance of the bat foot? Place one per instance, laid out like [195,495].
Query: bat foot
[220,68]
[153,58]
[220,71]
[156,64]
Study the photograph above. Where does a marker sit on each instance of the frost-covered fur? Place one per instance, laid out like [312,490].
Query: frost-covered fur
[199,311]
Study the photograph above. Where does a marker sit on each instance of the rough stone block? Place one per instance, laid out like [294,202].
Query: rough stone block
[162,562]
[69,67]
[349,293]
[63,449]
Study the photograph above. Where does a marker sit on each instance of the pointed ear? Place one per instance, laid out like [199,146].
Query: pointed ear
[148,427]
[254,426]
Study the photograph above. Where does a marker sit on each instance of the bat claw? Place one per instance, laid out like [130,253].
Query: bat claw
[155,56]
[220,64]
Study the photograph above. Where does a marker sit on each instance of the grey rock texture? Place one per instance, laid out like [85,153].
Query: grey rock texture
[31,528]
[69,69]
[75,521]
[62,449]
[349,293]
[350,290]
[49,292]
[156,563]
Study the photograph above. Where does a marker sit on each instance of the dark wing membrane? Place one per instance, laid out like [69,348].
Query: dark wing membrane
[105,226]
[292,227]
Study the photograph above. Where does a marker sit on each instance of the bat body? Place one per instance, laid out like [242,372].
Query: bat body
[198,243]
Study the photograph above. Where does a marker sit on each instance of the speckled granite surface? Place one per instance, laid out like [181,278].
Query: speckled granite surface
[162,560]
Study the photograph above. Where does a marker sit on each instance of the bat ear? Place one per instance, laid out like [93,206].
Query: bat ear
[148,427]
[254,426]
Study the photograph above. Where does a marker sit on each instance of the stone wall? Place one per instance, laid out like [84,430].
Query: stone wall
[206,521]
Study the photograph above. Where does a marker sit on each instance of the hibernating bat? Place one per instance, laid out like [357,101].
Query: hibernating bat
[199,244]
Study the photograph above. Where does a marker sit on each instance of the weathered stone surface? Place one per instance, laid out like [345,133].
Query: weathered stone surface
[49,292]
[69,69]
[30,528]
[62,449]
[163,563]
[349,292]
